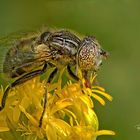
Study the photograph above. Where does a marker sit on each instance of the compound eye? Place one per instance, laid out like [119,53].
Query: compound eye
[44,37]
[87,54]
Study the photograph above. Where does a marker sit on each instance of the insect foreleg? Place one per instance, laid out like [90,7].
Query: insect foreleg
[21,80]
[45,96]
[52,75]
[75,77]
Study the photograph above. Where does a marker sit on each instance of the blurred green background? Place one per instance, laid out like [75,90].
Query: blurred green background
[116,24]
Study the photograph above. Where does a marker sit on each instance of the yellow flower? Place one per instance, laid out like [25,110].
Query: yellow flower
[69,114]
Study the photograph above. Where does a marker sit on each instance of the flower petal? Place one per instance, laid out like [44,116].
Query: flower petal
[30,117]
[98,98]
[104,132]
[109,97]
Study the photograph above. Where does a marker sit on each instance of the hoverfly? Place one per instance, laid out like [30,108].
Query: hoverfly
[30,57]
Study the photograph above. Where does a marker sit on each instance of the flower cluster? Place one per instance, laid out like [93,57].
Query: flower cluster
[69,114]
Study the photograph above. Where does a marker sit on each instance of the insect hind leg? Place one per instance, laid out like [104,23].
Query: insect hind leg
[25,78]
[19,81]
[3,101]
[51,76]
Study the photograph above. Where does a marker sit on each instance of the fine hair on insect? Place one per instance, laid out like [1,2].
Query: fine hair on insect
[31,57]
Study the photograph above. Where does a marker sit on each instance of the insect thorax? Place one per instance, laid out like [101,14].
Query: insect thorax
[64,42]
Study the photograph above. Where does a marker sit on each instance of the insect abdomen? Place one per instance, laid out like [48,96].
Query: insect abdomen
[17,58]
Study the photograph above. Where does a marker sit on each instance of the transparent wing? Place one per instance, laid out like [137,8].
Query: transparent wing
[7,42]
[3,50]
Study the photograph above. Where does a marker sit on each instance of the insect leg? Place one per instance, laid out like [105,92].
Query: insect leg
[45,97]
[72,74]
[21,80]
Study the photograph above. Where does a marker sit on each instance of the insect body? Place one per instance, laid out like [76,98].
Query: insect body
[29,58]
